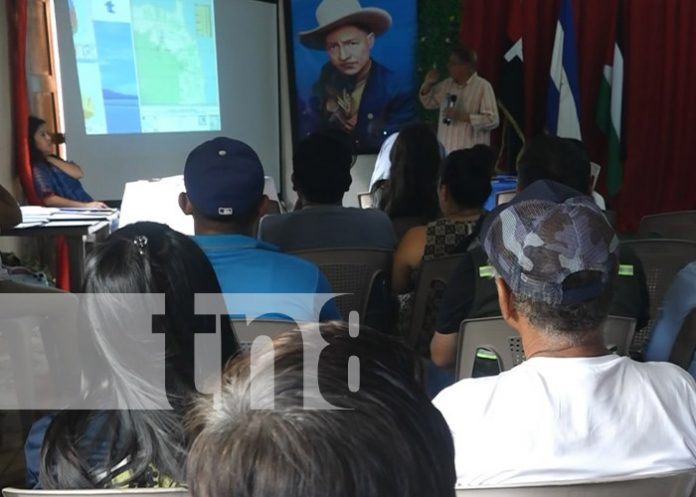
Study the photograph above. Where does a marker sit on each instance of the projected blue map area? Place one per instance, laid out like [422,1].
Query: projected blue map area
[146,66]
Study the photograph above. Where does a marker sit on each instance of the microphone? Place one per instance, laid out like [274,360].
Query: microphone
[451,101]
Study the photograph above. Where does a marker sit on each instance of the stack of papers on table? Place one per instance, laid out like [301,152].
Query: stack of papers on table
[33,215]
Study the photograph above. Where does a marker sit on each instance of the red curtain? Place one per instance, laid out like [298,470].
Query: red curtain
[17,37]
[660,102]
[659,98]
[17,34]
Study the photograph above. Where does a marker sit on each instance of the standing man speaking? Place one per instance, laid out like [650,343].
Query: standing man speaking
[468,108]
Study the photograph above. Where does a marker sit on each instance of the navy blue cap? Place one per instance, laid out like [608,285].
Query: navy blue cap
[224,178]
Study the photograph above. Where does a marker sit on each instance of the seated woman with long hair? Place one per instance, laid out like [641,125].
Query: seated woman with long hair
[57,182]
[409,196]
[109,442]
[464,186]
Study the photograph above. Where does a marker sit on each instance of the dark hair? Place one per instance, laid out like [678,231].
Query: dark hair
[570,321]
[140,258]
[559,159]
[35,155]
[466,55]
[467,175]
[385,439]
[321,167]
[411,190]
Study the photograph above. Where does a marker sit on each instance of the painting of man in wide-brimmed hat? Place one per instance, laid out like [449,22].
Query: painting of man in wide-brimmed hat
[354,92]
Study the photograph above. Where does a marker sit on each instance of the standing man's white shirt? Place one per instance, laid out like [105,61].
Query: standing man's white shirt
[553,419]
[474,98]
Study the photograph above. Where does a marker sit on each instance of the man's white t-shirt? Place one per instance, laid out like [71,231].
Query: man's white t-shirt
[552,419]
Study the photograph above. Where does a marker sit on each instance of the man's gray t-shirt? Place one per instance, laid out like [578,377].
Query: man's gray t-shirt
[328,226]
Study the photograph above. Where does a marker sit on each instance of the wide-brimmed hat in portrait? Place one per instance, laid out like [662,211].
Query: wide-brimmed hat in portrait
[332,14]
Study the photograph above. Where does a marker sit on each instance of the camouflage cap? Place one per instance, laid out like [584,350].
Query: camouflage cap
[535,244]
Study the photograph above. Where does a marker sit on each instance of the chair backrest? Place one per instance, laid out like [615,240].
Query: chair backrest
[672,484]
[247,332]
[492,335]
[662,259]
[365,200]
[504,196]
[430,287]
[356,273]
[111,492]
[495,336]
[678,225]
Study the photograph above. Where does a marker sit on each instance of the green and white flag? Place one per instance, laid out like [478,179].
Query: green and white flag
[610,106]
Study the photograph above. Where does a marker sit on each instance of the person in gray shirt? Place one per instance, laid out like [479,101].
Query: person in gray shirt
[321,177]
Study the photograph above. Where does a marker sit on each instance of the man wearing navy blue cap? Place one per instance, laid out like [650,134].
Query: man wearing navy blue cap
[224,183]
[572,410]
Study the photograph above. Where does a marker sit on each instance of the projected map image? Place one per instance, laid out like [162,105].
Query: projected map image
[146,66]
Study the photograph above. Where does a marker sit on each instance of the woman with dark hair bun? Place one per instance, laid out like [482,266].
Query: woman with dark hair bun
[119,444]
[57,182]
[464,185]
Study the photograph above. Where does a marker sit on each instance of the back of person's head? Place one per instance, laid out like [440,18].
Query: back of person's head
[558,255]
[466,55]
[34,123]
[558,159]
[142,258]
[224,182]
[467,176]
[412,187]
[321,167]
[146,257]
[383,438]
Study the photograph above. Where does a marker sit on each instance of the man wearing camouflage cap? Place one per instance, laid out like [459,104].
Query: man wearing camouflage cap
[572,410]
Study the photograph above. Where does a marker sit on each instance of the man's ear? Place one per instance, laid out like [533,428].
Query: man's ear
[370,40]
[263,206]
[443,193]
[295,185]
[507,303]
[185,204]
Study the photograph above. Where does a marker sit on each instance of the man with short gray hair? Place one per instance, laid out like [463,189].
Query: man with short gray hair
[572,410]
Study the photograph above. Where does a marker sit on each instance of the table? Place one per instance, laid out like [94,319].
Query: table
[77,235]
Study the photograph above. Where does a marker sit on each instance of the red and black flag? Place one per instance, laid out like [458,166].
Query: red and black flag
[511,92]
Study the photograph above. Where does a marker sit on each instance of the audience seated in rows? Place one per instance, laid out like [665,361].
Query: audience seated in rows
[224,193]
[471,293]
[127,446]
[678,302]
[282,428]
[410,194]
[321,176]
[463,187]
[572,410]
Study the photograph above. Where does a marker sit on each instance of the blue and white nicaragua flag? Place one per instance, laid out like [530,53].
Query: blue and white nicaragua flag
[563,98]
